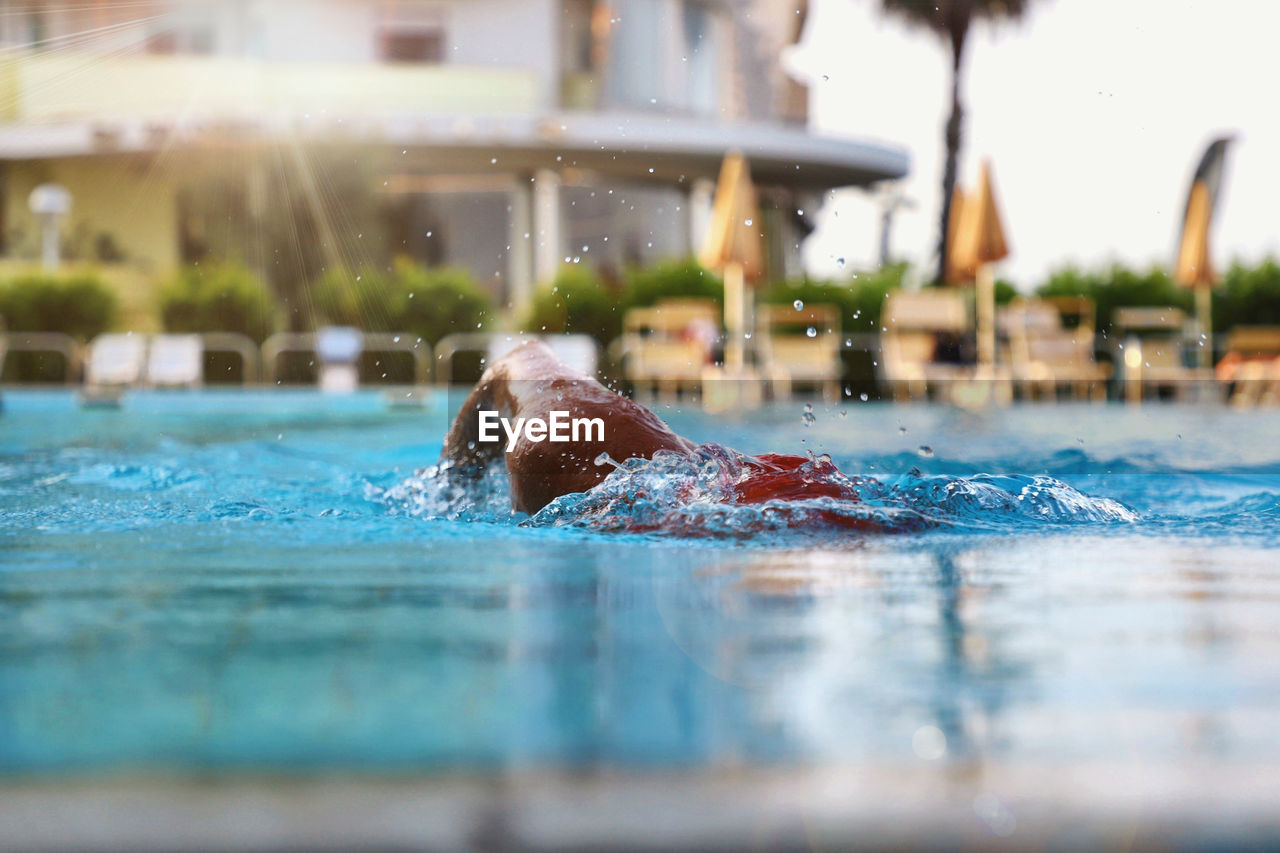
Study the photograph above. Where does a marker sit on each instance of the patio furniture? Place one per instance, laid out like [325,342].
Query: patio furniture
[580,352]
[1045,354]
[175,361]
[1250,371]
[915,328]
[800,346]
[338,352]
[116,360]
[1152,357]
[236,344]
[666,347]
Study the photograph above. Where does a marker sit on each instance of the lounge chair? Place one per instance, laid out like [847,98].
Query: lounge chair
[666,347]
[912,324]
[1153,341]
[789,354]
[175,361]
[1044,354]
[1250,371]
[338,350]
[116,360]
[577,351]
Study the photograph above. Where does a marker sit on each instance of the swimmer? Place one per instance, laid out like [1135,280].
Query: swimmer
[531,383]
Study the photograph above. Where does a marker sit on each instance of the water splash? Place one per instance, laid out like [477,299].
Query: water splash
[443,491]
[720,493]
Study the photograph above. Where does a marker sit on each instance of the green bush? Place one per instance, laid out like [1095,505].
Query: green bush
[1248,296]
[1118,287]
[680,279]
[859,299]
[577,301]
[79,304]
[218,297]
[429,303]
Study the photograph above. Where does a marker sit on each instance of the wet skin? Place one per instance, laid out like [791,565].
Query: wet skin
[530,382]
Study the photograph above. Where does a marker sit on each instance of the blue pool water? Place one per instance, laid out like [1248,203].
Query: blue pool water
[241,581]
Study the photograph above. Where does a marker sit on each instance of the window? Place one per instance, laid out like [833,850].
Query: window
[702,43]
[411,31]
[422,46]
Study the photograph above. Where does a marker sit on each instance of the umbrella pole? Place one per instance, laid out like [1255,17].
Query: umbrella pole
[1204,317]
[735,313]
[986,307]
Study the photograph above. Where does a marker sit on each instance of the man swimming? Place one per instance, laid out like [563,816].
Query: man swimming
[531,386]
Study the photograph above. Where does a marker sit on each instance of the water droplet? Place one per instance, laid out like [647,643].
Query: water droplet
[808,418]
[926,451]
[929,743]
[811,332]
[746,222]
[863,397]
[798,305]
[840,263]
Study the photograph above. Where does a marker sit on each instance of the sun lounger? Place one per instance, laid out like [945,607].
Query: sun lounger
[338,350]
[175,361]
[913,324]
[790,354]
[116,360]
[1044,354]
[1153,341]
[667,346]
[578,351]
[1250,371]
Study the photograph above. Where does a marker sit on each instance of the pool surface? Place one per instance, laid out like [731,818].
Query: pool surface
[247,582]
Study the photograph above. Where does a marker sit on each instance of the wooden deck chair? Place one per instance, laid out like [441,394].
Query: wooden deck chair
[1250,371]
[911,323]
[789,353]
[1046,355]
[668,345]
[1153,358]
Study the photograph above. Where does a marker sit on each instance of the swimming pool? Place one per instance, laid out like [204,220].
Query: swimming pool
[247,582]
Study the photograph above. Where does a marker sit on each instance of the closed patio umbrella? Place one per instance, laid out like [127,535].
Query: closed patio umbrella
[734,247]
[980,242]
[955,274]
[1193,267]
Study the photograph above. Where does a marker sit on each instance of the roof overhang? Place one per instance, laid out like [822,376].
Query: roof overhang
[625,145]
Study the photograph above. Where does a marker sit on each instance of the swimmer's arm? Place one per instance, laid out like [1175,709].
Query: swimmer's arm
[462,444]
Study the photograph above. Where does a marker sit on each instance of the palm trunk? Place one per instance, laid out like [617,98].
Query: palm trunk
[953,136]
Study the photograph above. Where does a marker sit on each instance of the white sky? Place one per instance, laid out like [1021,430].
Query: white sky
[1093,113]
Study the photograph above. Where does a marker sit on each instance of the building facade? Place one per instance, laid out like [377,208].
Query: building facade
[506,136]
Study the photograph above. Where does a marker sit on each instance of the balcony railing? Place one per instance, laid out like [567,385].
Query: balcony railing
[39,88]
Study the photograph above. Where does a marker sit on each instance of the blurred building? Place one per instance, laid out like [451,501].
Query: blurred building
[502,135]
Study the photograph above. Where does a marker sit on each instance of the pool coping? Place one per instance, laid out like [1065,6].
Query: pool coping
[1183,805]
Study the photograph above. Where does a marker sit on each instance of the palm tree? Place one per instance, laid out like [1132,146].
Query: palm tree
[950,20]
